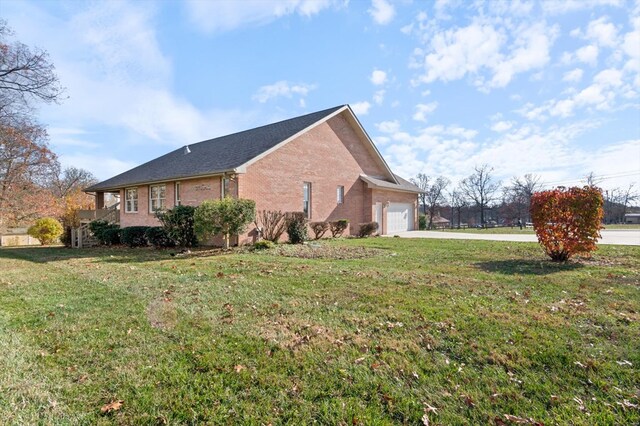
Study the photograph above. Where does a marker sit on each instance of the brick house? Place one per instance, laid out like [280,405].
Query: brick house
[322,163]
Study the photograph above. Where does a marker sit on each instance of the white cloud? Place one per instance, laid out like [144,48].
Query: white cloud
[573,76]
[482,46]
[282,88]
[226,15]
[382,12]
[602,32]
[588,54]
[102,166]
[422,110]
[378,77]
[533,44]
[501,126]
[607,85]
[556,7]
[361,108]
[456,52]
[378,97]
[388,126]
[609,78]
[615,159]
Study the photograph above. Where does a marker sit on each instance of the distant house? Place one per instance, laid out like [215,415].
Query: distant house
[439,221]
[632,218]
[323,164]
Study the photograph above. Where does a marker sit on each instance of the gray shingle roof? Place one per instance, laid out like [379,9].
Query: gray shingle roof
[215,155]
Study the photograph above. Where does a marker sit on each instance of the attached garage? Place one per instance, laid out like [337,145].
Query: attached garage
[399,217]
[393,205]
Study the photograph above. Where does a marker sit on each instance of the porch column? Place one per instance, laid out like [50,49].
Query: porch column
[99,200]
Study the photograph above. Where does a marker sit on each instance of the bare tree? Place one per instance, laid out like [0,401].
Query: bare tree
[480,188]
[592,180]
[616,203]
[422,181]
[519,193]
[435,196]
[71,179]
[25,164]
[458,202]
[628,196]
[25,76]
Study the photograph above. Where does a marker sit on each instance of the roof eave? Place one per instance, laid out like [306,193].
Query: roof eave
[373,185]
[240,169]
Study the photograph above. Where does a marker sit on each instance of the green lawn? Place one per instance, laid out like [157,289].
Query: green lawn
[618,227]
[376,331]
[501,230]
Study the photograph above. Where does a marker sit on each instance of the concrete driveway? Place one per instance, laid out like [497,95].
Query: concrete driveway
[620,237]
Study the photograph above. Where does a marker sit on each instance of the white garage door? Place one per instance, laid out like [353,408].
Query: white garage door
[399,217]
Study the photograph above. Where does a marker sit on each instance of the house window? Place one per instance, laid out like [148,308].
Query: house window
[340,194]
[224,187]
[306,199]
[177,193]
[157,197]
[131,200]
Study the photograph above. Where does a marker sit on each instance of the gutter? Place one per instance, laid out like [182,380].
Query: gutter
[90,190]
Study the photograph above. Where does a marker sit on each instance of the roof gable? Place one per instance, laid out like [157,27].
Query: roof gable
[233,152]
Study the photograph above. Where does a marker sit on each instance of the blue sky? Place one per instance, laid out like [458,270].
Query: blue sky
[550,88]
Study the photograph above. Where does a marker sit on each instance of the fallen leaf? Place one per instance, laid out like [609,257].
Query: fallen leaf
[430,409]
[627,404]
[239,368]
[468,400]
[515,419]
[425,420]
[112,406]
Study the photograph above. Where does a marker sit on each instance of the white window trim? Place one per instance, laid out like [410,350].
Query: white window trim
[165,197]
[223,193]
[176,194]
[309,186]
[126,201]
[340,194]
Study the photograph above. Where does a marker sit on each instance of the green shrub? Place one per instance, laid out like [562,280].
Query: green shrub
[226,217]
[319,229]
[47,230]
[134,236]
[367,229]
[337,227]
[106,233]
[263,245]
[159,237]
[422,222]
[179,225]
[111,236]
[65,238]
[296,227]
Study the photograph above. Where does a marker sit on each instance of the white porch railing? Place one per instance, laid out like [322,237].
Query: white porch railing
[82,236]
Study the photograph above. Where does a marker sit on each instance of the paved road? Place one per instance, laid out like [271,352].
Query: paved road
[621,237]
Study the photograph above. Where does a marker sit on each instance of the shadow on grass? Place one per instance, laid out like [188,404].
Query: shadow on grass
[527,266]
[116,254]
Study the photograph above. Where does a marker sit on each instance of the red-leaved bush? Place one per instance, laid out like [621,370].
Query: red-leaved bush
[567,221]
